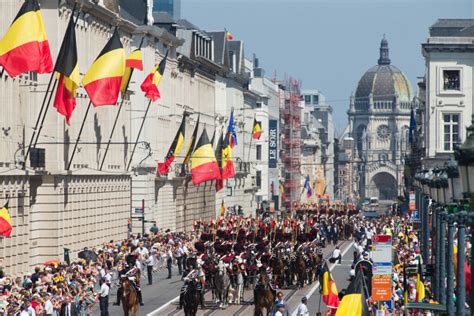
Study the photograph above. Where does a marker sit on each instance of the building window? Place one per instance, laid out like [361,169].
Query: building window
[315,99]
[450,131]
[307,99]
[452,80]
[259,178]
[259,152]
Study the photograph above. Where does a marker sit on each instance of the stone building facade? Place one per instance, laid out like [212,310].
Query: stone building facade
[379,119]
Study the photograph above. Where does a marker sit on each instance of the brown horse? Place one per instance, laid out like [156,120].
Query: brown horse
[264,296]
[300,269]
[278,268]
[129,298]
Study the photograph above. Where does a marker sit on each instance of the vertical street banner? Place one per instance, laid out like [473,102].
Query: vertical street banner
[272,143]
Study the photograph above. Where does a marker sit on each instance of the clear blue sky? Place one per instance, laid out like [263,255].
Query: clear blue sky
[328,44]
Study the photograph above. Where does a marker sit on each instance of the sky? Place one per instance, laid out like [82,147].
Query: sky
[327,44]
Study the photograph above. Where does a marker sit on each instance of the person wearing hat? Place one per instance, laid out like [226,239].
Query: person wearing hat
[302,308]
[280,309]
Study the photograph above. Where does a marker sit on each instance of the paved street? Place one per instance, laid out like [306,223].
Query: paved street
[293,296]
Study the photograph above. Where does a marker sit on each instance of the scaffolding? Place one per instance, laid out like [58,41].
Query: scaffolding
[290,112]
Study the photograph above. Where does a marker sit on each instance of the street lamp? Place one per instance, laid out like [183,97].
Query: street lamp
[451,167]
[465,156]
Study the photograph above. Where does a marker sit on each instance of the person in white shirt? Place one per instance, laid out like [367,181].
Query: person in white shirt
[48,305]
[302,308]
[336,255]
[150,263]
[104,298]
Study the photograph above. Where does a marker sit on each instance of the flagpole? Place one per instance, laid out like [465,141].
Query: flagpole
[118,112]
[44,100]
[138,136]
[79,135]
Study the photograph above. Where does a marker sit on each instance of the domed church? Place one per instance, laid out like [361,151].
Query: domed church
[379,119]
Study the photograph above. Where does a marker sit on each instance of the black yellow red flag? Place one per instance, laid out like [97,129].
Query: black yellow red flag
[330,293]
[134,61]
[151,82]
[354,302]
[25,45]
[227,163]
[191,145]
[5,221]
[204,165]
[257,129]
[67,70]
[175,148]
[103,79]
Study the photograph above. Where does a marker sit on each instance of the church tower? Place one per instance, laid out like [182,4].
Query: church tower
[379,119]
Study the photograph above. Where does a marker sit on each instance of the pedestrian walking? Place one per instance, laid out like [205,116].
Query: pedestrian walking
[179,252]
[280,306]
[104,298]
[336,255]
[302,308]
[169,261]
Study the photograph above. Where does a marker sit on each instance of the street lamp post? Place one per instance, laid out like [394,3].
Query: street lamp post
[442,254]
[465,157]
[461,275]
[450,260]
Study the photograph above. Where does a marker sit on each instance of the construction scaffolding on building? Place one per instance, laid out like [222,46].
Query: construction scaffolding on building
[290,112]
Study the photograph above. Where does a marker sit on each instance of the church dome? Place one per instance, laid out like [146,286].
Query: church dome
[383,82]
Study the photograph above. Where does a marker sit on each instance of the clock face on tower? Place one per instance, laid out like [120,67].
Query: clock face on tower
[383,132]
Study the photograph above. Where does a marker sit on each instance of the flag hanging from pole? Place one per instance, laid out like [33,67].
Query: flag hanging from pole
[257,129]
[354,301]
[330,293]
[420,285]
[227,164]
[25,47]
[231,133]
[67,70]
[151,82]
[203,161]
[191,145]
[134,61]
[175,148]
[5,222]
[103,79]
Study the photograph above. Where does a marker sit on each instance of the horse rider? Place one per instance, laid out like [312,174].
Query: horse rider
[129,270]
[196,274]
[133,275]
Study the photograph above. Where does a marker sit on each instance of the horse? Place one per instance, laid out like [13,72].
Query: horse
[264,296]
[278,267]
[300,270]
[221,284]
[129,298]
[191,299]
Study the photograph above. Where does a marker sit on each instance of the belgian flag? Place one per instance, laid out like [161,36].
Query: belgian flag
[175,148]
[190,149]
[67,70]
[204,165]
[134,61]
[330,293]
[5,222]
[103,79]
[151,82]
[420,285]
[354,302]
[220,182]
[257,129]
[25,46]
[227,164]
